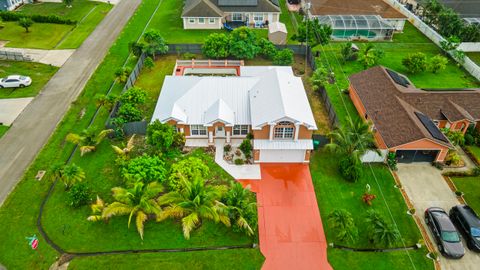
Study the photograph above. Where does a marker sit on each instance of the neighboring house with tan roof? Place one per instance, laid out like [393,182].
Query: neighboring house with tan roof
[212,14]
[268,101]
[358,19]
[407,120]
[12,4]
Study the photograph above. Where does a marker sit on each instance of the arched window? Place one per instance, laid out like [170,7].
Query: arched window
[284,130]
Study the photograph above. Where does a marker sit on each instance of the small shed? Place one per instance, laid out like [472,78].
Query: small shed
[277,33]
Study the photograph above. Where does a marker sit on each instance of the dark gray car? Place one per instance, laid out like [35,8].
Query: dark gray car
[468,223]
[445,234]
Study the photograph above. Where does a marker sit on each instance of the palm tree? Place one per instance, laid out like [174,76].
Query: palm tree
[241,207]
[88,139]
[97,209]
[371,55]
[351,141]
[68,174]
[342,222]
[193,203]
[381,232]
[123,152]
[137,201]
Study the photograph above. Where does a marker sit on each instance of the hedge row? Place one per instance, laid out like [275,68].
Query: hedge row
[8,16]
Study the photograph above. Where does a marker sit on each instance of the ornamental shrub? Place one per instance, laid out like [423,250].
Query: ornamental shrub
[134,95]
[188,169]
[129,113]
[216,45]
[144,168]
[267,48]
[246,147]
[78,195]
[9,16]
[283,58]
[161,136]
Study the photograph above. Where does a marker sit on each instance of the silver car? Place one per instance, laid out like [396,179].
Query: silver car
[14,81]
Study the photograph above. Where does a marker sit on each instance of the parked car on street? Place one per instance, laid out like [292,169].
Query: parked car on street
[446,235]
[468,223]
[14,81]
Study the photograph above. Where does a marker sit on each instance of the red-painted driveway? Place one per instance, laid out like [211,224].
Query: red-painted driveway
[289,224]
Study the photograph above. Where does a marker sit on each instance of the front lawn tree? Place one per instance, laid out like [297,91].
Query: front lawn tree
[380,231]
[88,139]
[136,48]
[370,56]
[68,174]
[188,169]
[25,23]
[68,3]
[242,208]
[155,43]
[244,43]
[159,135]
[314,32]
[216,45]
[194,203]
[138,201]
[437,63]
[342,222]
[415,63]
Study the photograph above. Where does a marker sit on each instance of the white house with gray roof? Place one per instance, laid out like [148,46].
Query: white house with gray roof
[213,14]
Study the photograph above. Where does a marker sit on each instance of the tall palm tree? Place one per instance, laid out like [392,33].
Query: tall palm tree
[193,203]
[88,139]
[241,207]
[137,201]
[342,222]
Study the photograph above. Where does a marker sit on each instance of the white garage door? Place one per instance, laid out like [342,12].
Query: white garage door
[292,156]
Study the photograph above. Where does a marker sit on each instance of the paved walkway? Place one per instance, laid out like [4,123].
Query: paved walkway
[10,108]
[289,223]
[469,165]
[251,172]
[426,187]
[31,130]
[49,57]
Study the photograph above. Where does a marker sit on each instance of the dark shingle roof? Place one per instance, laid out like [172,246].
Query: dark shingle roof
[238,3]
[394,108]
[201,8]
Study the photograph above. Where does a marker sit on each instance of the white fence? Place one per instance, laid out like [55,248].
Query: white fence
[372,156]
[468,64]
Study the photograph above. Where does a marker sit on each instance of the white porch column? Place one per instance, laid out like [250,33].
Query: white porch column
[272,127]
[297,130]
[182,130]
[210,136]
[228,136]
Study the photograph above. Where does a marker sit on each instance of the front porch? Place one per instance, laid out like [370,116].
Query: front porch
[239,172]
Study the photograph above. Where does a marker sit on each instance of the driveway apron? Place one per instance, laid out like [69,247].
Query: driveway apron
[426,188]
[290,229]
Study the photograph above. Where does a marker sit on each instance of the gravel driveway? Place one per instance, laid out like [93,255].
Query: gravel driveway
[426,187]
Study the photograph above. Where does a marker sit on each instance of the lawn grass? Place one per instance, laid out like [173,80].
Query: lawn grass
[334,192]
[475,151]
[410,34]
[474,56]
[39,73]
[245,259]
[470,187]
[290,19]
[3,130]
[88,15]
[330,56]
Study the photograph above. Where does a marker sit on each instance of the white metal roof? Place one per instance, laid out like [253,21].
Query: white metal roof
[283,145]
[261,95]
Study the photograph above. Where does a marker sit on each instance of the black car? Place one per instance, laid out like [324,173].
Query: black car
[468,224]
[445,234]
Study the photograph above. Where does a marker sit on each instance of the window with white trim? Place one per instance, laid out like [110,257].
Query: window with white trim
[237,17]
[240,130]
[191,20]
[198,130]
[201,20]
[284,130]
[258,17]
[212,20]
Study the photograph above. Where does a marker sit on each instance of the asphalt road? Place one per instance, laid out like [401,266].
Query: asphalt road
[32,129]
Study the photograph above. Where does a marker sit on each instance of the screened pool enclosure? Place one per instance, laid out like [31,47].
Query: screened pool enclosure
[354,27]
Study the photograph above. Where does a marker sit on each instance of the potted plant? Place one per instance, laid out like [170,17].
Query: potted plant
[411,211]
[433,255]
[420,243]
[459,193]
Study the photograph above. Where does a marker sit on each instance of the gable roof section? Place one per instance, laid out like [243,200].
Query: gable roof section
[393,108]
[261,95]
[280,95]
[260,6]
[201,8]
[238,3]
[354,7]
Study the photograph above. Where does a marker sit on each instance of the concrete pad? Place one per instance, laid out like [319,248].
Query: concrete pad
[425,186]
[10,108]
[49,57]
[251,172]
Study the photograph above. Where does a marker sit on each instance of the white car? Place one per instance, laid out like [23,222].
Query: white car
[13,81]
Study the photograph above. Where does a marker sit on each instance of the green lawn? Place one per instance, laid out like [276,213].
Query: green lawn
[451,77]
[39,73]
[475,150]
[244,259]
[333,192]
[88,14]
[470,187]
[410,34]
[291,21]
[475,56]
[3,130]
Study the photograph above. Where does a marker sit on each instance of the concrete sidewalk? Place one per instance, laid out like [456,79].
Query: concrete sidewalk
[10,108]
[32,129]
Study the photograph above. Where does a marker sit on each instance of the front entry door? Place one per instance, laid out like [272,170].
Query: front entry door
[220,132]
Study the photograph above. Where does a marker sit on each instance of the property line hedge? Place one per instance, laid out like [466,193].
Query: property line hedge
[8,16]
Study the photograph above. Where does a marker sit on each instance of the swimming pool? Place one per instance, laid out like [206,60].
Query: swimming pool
[340,33]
